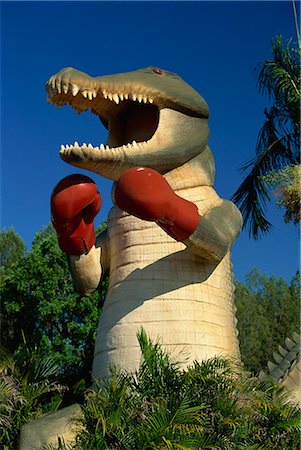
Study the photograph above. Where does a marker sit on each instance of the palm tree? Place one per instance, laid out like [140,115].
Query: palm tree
[278,143]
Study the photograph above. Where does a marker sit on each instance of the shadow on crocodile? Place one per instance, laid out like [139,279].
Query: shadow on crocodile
[160,284]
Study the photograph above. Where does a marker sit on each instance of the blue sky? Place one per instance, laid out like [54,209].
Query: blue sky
[214,46]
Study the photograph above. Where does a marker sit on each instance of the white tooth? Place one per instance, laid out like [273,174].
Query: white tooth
[75,144]
[107,147]
[65,89]
[121,97]
[145,99]
[104,93]
[67,147]
[75,90]
[90,146]
[126,96]
[85,94]
[110,96]
[134,143]
[84,145]
[90,95]
[116,98]
[94,94]
[58,86]
[102,147]
[151,100]
[62,147]
[129,145]
[140,98]
[134,97]
[52,81]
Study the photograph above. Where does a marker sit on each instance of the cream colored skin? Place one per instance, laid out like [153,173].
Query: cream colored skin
[293,383]
[180,293]
[48,429]
[285,369]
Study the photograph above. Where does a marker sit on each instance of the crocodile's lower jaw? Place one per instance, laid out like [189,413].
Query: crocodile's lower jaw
[177,139]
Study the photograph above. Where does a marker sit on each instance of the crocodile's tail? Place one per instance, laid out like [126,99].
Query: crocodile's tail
[285,359]
[285,369]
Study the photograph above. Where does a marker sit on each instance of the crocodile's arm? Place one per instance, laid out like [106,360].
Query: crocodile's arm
[216,231]
[88,270]
[208,231]
[221,222]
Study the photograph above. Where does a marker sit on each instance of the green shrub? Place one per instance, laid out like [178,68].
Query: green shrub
[210,405]
[27,390]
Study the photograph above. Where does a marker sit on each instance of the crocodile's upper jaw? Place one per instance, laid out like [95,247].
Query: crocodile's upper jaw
[147,127]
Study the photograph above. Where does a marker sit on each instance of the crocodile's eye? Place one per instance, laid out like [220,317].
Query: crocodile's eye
[158,71]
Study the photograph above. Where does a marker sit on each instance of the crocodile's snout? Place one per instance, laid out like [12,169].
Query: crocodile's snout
[153,118]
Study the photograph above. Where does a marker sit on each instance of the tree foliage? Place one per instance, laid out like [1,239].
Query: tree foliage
[39,300]
[286,184]
[11,249]
[268,311]
[278,143]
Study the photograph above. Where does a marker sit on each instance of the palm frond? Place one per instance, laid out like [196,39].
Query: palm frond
[7,363]
[273,152]
[22,398]
[10,398]
[34,391]
[278,142]
[280,76]
[185,413]
[157,373]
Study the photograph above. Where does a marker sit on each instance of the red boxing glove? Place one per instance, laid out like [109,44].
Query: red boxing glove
[75,202]
[145,193]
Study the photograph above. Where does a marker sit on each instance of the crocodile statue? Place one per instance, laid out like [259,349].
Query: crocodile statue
[170,274]
[167,245]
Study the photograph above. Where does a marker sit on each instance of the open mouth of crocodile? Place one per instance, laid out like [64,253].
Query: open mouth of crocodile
[131,118]
[159,123]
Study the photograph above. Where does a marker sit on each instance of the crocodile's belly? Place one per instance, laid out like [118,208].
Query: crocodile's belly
[176,296]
